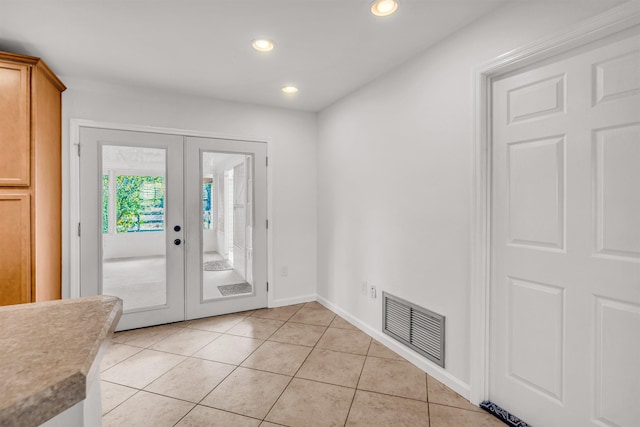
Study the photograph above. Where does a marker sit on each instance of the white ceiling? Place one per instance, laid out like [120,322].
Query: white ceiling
[328,48]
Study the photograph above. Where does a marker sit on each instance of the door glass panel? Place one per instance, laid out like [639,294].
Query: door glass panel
[133,225]
[226,220]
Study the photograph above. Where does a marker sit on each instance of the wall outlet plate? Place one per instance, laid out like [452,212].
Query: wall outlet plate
[364,288]
[373,292]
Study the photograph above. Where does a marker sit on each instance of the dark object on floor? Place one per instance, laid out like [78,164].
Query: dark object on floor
[221,265]
[503,415]
[235,289]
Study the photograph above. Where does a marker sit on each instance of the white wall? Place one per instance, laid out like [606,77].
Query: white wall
[209,240]
[292,163]
[394,175]
[124,245]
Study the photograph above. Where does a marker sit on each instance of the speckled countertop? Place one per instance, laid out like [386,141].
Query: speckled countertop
[47,351]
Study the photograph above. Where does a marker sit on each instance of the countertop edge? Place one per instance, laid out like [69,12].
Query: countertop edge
[110,325]
[49,401]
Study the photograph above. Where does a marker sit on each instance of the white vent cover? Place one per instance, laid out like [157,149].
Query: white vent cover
[418,328]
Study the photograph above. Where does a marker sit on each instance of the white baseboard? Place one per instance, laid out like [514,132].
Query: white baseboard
[421,362]
[292,301]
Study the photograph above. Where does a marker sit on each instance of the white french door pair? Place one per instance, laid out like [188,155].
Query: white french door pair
[175,226]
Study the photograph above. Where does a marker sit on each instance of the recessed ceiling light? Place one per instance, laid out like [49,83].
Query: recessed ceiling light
[384,7]
[289,89]
[263,45]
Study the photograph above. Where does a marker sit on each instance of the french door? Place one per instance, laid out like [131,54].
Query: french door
[175,226]
[226,217]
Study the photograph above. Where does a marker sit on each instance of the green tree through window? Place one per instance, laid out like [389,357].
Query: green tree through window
[139,203]
[105,203]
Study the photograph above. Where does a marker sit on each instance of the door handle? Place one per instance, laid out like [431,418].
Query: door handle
[177,242]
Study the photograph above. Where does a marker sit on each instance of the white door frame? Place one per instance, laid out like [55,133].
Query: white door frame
[74,189]
[614,20]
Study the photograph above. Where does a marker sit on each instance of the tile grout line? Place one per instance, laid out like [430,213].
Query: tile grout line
[239,366]
[221,381]
[112,409]
[459,408]
[358,382]
[155,379]
[299,367]
[294,374]
[126,358]
[185,415]
[138,390]
[426,380]
[199,403]
[176,329]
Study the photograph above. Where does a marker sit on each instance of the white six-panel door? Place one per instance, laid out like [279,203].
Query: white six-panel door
[565,282]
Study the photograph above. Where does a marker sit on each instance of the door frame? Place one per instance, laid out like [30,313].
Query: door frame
[617,19]
[74,188]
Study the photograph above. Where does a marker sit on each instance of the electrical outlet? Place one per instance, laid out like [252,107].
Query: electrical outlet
[284,271]
[363,289]
[372,291]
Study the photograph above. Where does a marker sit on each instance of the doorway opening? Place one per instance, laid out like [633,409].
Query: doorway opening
[226,192]
[170,226]
[133,225]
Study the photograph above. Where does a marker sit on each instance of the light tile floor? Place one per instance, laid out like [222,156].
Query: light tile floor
[141,282]
[298,365]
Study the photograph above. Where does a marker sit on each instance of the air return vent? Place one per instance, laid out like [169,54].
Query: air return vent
[418,328]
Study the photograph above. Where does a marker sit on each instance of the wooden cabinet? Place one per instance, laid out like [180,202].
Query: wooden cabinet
[30,180]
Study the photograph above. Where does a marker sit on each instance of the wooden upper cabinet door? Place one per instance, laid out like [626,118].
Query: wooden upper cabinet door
[15,247]
[15,122]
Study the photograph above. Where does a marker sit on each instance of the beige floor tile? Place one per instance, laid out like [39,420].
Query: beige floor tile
[332,367]
[182,324]
[255,327]
[313,316]
[147,409]
[298,333]
[278,358]
[268,424]
[393,377]
[229,349]
[142,368]
[377,349]
[310,404]
[191,380]
[114,394]
[345,340]
[116,353]
[248,392]
[443,395]
[245,313]
[201,416]
[185,342]
[145,337]
[339,322]
[373,409]
[313,304]
[216,324]
[447,416]
[278,313]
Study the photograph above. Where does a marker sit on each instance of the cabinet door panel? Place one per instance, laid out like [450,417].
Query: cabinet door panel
[15,138]
[15,248]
